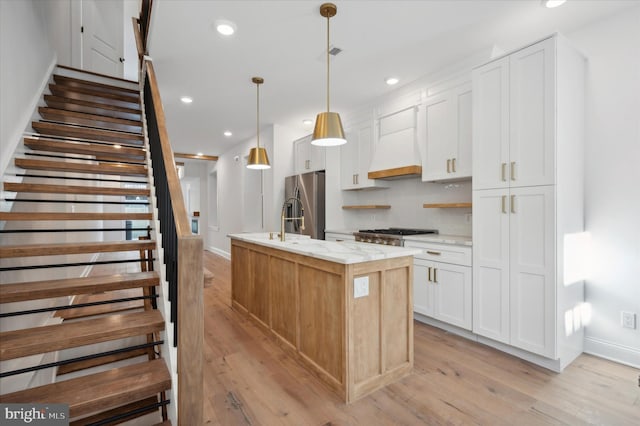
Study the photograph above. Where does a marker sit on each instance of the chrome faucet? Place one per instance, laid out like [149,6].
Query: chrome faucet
[284,218]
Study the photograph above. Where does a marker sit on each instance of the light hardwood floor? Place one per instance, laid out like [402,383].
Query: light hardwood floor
[249,380]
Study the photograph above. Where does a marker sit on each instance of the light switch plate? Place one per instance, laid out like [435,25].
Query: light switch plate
[360,287]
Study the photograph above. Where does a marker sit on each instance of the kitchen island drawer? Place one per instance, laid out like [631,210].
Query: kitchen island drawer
[446,253]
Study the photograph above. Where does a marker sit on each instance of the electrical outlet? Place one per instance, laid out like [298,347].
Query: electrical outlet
[360,287]
[628,320]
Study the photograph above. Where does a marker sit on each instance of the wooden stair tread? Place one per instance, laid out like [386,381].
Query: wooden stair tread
[83,118]
[99,418]
[97,96]
[132,83]
[95,362]
[61,129]
[40,216]
[73,189]
[80,105]
[85,148]
[73,167]
[49,338]
[102,391]
[30,250]
[19,292]
[70,81]
[100,310]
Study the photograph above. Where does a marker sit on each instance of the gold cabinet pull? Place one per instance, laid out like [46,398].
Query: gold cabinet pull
[435,276]
[453,165]
[429,273]
[513,204]
[435,253]
[448,165]
[504,204]
[513,170]
[504,172]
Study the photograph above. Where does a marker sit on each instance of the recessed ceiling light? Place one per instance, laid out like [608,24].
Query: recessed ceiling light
[391,81]
[199,154]
[226,28]
[227,133]
[186,99]
[552,3]
[307,122]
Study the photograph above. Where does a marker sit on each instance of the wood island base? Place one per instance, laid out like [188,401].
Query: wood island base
[355,345]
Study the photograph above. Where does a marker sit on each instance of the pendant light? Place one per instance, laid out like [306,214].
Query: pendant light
[328,130]
[258,158]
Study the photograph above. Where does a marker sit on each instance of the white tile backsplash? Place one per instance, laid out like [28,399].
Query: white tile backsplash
[406,197]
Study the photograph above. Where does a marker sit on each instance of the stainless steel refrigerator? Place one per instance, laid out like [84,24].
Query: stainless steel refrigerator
[309,189]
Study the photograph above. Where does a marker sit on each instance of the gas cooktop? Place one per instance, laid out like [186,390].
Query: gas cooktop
[389,236]
[399,231]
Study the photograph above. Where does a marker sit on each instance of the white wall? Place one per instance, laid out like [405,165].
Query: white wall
[26,60]
[612,199]
[240,194]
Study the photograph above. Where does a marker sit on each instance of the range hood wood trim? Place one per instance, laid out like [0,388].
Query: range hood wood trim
[406,171]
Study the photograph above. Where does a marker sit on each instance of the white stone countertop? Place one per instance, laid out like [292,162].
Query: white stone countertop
[345,252]
[460,240]
[340,231]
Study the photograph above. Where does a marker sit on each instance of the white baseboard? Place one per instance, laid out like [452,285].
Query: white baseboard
[219,252]
[612,351]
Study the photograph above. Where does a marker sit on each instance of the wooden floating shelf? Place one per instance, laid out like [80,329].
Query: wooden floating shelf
[446,205]
[367,207]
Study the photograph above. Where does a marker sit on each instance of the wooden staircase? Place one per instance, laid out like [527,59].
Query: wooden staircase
[80,188]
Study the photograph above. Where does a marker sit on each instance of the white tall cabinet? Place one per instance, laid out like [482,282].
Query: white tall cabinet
[528,119]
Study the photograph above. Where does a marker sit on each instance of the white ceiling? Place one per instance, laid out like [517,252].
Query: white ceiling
[284,42]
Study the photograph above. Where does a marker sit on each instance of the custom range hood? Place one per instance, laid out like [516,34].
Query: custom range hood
[396,152]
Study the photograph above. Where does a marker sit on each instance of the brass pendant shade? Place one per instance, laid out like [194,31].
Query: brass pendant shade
[328,129]
[258,159]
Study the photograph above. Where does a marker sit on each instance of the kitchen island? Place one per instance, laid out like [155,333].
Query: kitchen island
[344,309]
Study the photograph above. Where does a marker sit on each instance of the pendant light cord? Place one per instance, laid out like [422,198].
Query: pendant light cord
[328,63]
[258,114]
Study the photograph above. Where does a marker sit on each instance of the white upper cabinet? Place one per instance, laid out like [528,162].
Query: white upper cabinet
[307,157]
[445,131]
[355,158]
[514,119]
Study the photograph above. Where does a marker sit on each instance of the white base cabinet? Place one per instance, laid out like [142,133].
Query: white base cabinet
[528,131]
[442,290]
[514,267]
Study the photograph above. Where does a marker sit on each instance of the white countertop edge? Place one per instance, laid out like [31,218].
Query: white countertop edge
[344,252]
[461,240]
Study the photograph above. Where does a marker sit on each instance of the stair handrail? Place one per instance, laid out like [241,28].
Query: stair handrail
[182,251]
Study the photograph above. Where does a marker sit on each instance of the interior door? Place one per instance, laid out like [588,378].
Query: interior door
[102,36]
